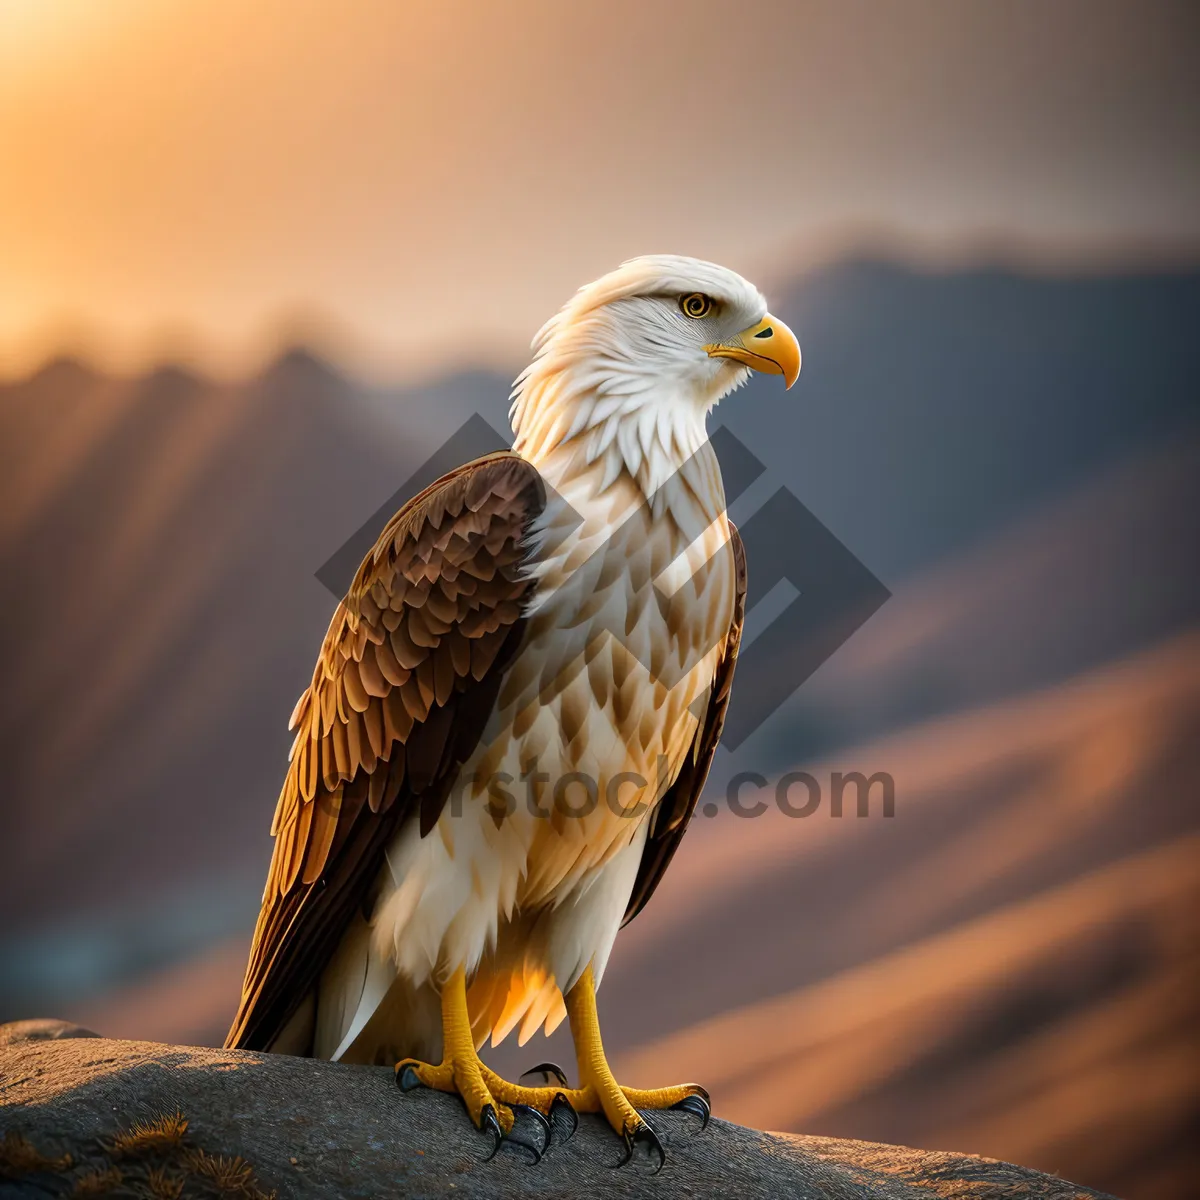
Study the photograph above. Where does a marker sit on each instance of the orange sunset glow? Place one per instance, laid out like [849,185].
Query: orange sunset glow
[194,178]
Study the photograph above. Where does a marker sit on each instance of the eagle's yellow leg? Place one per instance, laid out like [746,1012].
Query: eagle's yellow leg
[598,1089]
[460,1070]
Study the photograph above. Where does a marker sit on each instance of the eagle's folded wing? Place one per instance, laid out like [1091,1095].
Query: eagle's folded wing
[407,677]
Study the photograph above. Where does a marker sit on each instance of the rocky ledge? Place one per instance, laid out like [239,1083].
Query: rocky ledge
[82,1115]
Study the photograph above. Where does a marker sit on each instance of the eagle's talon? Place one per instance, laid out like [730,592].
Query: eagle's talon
[643,1134]
[490,1123]
[547,1071]
[540,1120]
[557,1105]
[698,1105]
[534,1152]
[407,1079]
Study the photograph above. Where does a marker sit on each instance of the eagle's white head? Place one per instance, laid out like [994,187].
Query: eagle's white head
[629,368]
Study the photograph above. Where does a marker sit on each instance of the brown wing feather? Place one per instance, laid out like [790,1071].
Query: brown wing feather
[675,810]
[405,681]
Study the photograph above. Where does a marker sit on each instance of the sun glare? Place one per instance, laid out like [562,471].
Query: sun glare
[34,33]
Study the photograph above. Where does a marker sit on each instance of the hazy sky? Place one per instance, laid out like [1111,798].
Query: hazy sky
[429,179]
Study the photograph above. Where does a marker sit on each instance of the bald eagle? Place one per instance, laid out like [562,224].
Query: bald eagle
[514,711]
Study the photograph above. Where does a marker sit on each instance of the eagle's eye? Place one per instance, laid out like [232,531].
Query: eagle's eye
[696,305]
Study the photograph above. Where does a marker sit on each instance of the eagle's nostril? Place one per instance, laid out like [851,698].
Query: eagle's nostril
[765,332]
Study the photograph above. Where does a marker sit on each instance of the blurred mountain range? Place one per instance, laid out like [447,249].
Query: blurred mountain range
[1017,457]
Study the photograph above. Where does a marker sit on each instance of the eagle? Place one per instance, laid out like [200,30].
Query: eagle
[513,714]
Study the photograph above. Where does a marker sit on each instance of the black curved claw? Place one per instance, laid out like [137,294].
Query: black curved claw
[535,1153]
[540,1119]
[645,1135]
[559,1104]
[698,1106]
[407,1078]
[490,1123]
[547,1071]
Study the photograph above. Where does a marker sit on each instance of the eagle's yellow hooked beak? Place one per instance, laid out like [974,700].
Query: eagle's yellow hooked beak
[769,346]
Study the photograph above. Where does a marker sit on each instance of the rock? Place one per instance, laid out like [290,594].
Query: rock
[40,1029]
[137,1118]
